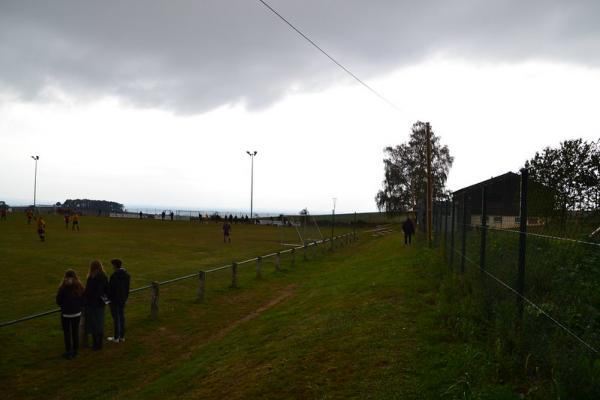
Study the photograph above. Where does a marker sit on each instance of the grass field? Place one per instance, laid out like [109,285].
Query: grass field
[151,249]
[361,322]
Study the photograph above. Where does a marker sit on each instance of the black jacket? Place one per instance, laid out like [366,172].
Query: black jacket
[95,289]
[408,227]
[69,302]
[118,286]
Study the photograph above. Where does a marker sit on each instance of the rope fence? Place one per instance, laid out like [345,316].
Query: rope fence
[201,275]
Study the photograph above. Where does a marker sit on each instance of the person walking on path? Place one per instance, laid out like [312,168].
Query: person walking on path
[41,228]
[118,291]
[226,232]
[70,300]
[409,229]
[96,297]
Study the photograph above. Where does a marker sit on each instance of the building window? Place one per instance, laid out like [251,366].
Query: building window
[498,220]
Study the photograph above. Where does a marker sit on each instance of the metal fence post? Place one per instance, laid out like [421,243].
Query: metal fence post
[154,295]
[201,285]
[483,228]
[278,261]
[522,241]
[234,275]
[452,235]
[446,227]
[258,267]
[464,235]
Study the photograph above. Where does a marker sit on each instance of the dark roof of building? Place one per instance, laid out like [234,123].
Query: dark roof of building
[490,181]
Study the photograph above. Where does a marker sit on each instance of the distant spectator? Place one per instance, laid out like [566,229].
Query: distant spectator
[162,215]
[41,228]
[3,214]
[70,300]
[141,215]
[172,215]
[235,219]
[75,223]
[118,292]
[29,214]
[409,229]
[99,213]
[96,297]
[226,232]
[200,217]
[66,221]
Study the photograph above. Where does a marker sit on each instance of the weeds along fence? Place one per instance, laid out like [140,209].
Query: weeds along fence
[309,250]
[527,270]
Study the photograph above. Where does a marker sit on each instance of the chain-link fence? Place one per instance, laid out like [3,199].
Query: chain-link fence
[528,267]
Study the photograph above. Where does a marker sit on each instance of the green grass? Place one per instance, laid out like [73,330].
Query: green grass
[361,322]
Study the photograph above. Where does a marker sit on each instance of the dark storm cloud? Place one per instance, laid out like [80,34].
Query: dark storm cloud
[191,56]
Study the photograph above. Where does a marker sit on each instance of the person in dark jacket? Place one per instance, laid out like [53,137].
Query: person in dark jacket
[409,229]
[96,297]
[70,300]
[118,291]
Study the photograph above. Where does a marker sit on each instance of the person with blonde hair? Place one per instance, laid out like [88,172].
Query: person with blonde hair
[96,297]
[70,300]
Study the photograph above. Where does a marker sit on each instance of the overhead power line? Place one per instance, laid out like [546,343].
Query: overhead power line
[336,62]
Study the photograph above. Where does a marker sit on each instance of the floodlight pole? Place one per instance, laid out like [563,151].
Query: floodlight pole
[35,158]
[251,154]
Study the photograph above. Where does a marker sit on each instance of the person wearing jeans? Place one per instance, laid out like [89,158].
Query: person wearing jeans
[118,292]
[70,300]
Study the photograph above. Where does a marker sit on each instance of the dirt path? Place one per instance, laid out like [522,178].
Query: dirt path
[288,291]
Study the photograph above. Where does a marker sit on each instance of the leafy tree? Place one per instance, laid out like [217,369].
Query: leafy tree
[406,171]
[571,172]
[93,205]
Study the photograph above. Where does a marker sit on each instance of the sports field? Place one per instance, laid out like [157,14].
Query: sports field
[151,249]
[358,322]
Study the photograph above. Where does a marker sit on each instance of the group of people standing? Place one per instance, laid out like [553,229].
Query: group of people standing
[100,290]
[74,219]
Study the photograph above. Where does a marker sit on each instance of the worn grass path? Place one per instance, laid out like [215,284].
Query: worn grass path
[356,323]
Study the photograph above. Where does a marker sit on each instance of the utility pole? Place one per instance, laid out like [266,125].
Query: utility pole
[332,221]
[429,184]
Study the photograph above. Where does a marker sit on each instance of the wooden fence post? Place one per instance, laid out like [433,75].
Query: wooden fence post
[278,261]
[201,284]
[293,257]
[234,275]
[258,267]
[154,295]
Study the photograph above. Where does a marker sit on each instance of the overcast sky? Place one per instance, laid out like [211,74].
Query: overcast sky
[155,103]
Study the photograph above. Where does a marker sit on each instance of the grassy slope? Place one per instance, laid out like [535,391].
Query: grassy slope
[359,323]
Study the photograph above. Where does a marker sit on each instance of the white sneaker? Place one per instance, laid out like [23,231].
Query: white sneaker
[112,339]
